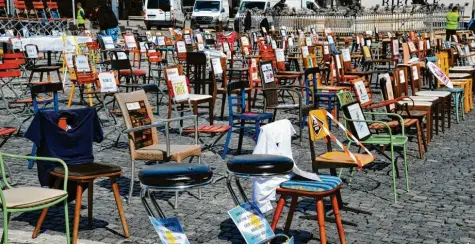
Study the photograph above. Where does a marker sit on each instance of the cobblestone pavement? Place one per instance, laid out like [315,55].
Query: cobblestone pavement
[438,209]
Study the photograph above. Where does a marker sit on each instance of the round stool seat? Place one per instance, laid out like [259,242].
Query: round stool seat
[260,164]
[46,68]
[175,175]
[328,183]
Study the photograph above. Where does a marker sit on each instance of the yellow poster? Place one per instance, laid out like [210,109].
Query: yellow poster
[316,119]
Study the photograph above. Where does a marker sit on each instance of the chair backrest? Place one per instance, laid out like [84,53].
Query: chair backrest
[401,87]
[38,6]
[31,52]
[136,111]
[46,88]
[130,41]
[345,97]
[14,58]
[9,70]
[196,71]
[416,78]
[120,60]
[83,69]
[236,101]
[268,82]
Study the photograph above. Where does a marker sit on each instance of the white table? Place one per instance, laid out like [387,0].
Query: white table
[47,43]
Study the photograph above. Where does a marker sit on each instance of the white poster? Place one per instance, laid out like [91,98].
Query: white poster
[361,128]
[82,64]
[440,75]
[172,72]
[279,53]
[181,46]
[290,42]
[273,44]
[308,41]
[362,93]
[199,37]
[108,42]
[180,88]
[31,51]
[267,72]
[346,55]
[415,72]
[217,68]
[130,41]
[16,43]
[402,77]
[161,40]
[305,52]
[108,82]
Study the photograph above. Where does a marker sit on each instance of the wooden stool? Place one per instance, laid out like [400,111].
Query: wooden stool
[47,70]
[295,188]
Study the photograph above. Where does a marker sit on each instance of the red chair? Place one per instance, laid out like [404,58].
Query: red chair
[53,9]
[3,9]
[21,11]
[39,8]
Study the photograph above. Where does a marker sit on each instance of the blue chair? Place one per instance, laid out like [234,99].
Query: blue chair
[328,99]
[236,92]
[35,90]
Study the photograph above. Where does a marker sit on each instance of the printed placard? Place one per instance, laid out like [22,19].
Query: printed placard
[308,41]
[279,54]
[201,47]
[362,93]
[172,72]
[217,68]
[251,223]
[181,46]
[439,74]
[16,44]
[130,41]
[108,82]
[199,38]
[188,40]
[180,88]
[326,50]
[244,41]
[305,52]
[267,72]
[82,64]
[69,60]
[395,45]
[415,72]
[169,230]
[346,55]
[273,44]
[290,42]
[389,89]
[31,51]
[361,128]
[161,40]
[108,42]
[412,47]
[402,77]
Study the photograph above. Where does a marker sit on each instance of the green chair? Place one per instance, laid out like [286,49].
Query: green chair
[28,198]
[345,98]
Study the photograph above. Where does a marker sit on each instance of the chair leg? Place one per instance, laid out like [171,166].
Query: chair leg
[278,212]
[77,213]
[132,177]
[406,169]
[226,144]
[90,192]
[339,225]
[118,201]
[31,162]
[290,215]
[66,221]
[321,221]
[419,140]
[223,103]
[44,212]
[6,220]
[393,163]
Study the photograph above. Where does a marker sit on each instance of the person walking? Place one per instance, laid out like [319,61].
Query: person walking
[108,23]
[81,17]
[452,23]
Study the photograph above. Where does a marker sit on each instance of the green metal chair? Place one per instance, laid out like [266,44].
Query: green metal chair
[28,198]
[345,98]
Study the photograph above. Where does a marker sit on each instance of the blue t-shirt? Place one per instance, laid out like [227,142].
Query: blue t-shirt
[73,146]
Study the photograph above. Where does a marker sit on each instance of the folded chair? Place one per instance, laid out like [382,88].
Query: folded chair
[143,137]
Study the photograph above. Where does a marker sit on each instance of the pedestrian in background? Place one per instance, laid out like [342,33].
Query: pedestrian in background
[81,17]
[108,23]
[452,23]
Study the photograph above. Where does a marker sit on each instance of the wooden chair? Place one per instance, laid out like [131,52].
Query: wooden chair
[143,137]
[29,198]
[82,174]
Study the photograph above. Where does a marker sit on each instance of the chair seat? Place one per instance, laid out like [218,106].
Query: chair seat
[199,97]
[137,72]
[88,169]
[28,196]
[45,68]
[253,116]
[175,175]
[209,129]
[341,160]
[433,93]
[328,183]
[392,124]
[462,68]
[159,152]
[385,139]
[416,103]
[423,98]
[455,89]
[459,75]
[260,164]
[413,114]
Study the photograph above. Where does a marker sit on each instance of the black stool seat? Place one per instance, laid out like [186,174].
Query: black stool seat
[260,164]
[88,169]
[175,175]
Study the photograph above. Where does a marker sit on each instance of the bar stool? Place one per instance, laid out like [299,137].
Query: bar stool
[171,177]
[255,165]
[297,187]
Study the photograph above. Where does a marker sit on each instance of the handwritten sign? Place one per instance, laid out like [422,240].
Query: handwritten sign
[251,223]
[31,51]
[108,42]
[82,64]
[108,82]
[180,88]
[169,230]
[181,46]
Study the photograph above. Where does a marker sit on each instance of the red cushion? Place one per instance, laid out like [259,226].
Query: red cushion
[137,72]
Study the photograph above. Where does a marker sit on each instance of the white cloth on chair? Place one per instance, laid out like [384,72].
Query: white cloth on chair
[275,139]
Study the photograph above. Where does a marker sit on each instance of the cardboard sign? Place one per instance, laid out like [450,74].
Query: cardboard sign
[82,64]
[267,72]
[108,82]
[346,55]
[440,75]
[305,52]
[252,223]
[279,54]
[181,46]
[161,40]
[217,68]
[361,91]
[16,44]
[108,42]
[180,89]
[169,230]
[31,51]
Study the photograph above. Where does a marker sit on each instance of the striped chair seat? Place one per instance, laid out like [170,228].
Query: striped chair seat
[328,183]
